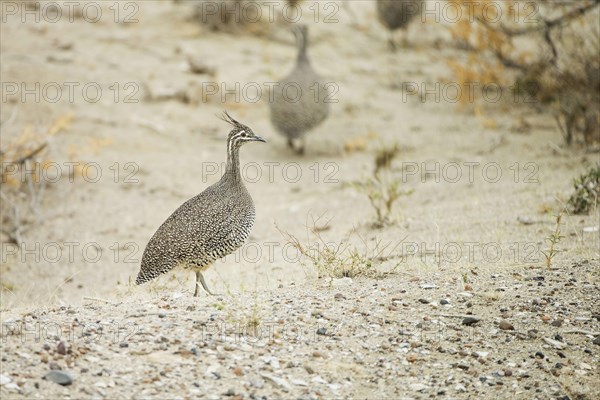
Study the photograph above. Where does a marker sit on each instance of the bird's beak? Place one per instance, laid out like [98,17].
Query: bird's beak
[259,139]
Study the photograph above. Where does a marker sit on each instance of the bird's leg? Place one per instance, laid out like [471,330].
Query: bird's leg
[302,145]
[204,285]
[296,148]
[198,277]
[392,43]
[404,43]
[300,149]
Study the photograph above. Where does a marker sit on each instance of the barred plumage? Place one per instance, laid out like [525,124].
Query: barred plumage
[207,227]
[300,101]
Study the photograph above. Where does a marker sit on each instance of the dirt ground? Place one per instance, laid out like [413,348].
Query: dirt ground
[487,180]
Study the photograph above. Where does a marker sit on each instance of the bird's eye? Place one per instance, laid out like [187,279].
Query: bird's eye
[243,134]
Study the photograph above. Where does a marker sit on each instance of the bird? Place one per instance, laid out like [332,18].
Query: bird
[397,14]
[208,226]
[300,101]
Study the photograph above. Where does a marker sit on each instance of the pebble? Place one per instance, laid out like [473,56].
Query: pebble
[322,331]
[506,326]
[4,380]
[470,321]
[257,383]
[444,302]
[417,387]
[585,366]
[428,286]
[54,366]
[532,333]
[596,340]
[558,337]
[60,377]
[61,348]
[554,343]
[278,382]
[424,301]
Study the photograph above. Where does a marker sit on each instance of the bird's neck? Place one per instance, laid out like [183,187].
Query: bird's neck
[302,52]
[232,169]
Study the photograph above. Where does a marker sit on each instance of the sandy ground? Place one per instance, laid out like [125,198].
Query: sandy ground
[163,148]
[392,338]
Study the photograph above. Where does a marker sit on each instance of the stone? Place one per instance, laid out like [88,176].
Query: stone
[60,377]
[468,321]
[506,326]
[4,380]
[427,286]
[554,343]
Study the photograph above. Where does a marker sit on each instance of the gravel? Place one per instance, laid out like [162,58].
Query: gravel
[306,341]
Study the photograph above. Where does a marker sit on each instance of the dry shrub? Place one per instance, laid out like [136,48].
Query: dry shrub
[586,191]
[23,160]
[383,187]
[545,51]
[352,257]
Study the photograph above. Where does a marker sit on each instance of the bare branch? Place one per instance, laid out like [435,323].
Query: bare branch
[32,154]
[546,25]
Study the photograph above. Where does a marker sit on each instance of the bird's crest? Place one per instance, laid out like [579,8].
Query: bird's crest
[228,118]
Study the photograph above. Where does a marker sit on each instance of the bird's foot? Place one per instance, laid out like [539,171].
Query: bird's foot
[200,281]
[298,149]
[393,46]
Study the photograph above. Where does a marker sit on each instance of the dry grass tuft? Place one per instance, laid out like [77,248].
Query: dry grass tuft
[383,187]
[342,259]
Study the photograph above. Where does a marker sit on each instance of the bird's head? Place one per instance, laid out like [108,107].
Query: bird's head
[240,133]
